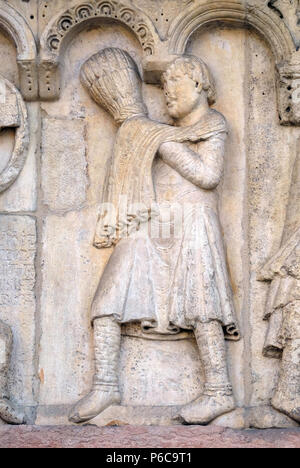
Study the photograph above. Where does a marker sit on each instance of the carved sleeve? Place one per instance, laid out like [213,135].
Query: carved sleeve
[202,165]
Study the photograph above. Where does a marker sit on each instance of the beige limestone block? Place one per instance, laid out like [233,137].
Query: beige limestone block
[70,274]
[271,154]
[263,417]
[75,102]
[64,167]
[162,12]
[8,56]
[137,416]
[2,351]
[21,196]
[159,373]
[223,51]
[17,301]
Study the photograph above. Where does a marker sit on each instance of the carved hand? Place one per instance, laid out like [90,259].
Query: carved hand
[204,170]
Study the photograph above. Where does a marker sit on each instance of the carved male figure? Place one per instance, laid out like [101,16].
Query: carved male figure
[153,162]
[8,412]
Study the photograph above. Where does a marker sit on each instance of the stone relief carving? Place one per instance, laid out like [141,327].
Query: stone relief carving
[144,267]
[156,172]
[8,412]
[13,23]
[289,11]
[72,19]
[159,53]
[13,114]
[271,27]
[283,308]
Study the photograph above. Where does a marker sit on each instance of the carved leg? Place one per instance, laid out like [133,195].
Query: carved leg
[217,398]
[7,411]
[105,389]
[287,396]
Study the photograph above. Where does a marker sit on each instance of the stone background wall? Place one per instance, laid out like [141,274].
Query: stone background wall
[49,269]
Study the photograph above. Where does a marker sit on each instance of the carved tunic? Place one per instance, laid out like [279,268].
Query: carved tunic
[170,275]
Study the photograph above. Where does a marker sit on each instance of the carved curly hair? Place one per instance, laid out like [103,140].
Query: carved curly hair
[197,70]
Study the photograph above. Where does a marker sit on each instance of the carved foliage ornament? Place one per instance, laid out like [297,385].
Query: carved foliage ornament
[13,114]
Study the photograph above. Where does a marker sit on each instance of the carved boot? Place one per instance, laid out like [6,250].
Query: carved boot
[8,412]
[217,398]
[287,396]
[105,390]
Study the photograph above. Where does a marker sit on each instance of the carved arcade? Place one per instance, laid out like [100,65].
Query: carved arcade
[166,274]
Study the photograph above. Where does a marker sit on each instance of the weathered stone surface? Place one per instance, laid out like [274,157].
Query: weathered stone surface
[159,373]
[71,140]
[64,167]
[269,180]
[17,301]
[145,437]
[224,52]
[65,305]
[22,194]
[264,417]
[160,416]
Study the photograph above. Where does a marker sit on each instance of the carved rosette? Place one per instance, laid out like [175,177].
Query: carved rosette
[13,114]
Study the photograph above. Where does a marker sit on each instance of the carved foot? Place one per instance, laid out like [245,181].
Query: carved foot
[286,406]
[206,408]
[93,404]
[9,413]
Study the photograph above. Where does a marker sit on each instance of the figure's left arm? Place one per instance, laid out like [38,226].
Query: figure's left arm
[203,165]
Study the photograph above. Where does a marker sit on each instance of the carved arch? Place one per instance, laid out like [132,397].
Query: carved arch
[16,28]
[63,27]
[261,18]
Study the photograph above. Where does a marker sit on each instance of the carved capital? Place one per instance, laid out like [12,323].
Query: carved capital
[288,87]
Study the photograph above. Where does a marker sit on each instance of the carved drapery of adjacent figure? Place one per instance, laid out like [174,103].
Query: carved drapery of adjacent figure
[283,307]
[8,413]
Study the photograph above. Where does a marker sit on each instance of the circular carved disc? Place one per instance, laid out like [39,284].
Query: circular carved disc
[13,113]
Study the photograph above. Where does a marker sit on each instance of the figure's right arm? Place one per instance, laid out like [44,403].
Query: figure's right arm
[202,165]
